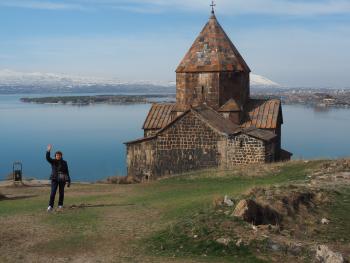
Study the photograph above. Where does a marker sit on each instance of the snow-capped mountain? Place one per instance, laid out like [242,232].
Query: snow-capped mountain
[261,81]
[10,77]
[51,82]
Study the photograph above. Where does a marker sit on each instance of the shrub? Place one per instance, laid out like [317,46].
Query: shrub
[2,197]
[122,180]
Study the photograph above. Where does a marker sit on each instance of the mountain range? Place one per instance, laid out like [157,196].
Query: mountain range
[36,82]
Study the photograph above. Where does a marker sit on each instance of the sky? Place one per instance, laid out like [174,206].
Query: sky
[297,43]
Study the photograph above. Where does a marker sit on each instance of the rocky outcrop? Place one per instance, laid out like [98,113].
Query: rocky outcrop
[325,255]
[257,214]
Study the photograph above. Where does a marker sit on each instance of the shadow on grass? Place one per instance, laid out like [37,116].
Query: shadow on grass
[25,185]
[6,198]
[97,205]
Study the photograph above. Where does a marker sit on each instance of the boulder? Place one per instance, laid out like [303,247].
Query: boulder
[325,221]
[224,241]
[239,242]
[325,255]
[228,201]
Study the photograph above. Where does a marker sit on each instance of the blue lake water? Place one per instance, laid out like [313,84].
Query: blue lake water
[91,137]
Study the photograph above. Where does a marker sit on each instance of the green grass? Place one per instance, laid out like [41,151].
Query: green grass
[32,205]
[69,244]
[179,196]
[196,236]
[76,221]
[189,201]
[339,214]
[183,203]
[79,229]
[22,206]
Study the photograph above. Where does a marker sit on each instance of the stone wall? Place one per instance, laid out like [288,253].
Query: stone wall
[214,88]
[141,159]
[234,85]
[270,152]
[189,144]
[192,89]
[243,149]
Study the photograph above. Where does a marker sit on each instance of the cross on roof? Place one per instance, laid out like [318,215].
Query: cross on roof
[212,7]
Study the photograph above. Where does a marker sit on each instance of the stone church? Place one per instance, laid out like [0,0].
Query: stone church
[214,122]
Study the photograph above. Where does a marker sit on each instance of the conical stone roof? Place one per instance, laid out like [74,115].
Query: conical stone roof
[212,51]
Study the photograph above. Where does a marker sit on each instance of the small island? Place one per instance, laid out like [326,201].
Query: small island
[101,99]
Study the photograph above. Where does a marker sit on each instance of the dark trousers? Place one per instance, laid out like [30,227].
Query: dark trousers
[54,186]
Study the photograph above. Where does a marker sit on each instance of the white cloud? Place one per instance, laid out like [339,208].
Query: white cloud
[290,56]
[269,7]
[277,7]
[45,5]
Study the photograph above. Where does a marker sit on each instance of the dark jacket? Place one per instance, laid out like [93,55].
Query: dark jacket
[57,166]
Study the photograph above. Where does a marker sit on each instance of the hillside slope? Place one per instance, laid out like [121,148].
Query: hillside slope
[177,219]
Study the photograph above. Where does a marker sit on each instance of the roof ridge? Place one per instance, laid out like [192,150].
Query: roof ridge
[224,126]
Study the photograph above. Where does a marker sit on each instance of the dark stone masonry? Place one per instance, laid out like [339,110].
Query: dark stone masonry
[214,122]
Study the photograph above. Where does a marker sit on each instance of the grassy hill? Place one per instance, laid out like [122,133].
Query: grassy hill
[153,222]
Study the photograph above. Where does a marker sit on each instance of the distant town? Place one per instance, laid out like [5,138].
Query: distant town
[323,98]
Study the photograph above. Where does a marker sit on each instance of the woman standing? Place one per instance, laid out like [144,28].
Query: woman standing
[59,177]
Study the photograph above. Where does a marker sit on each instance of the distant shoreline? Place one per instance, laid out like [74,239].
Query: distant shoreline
[101,99]
[316,98]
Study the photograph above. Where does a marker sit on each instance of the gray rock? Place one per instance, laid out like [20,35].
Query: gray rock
[239,242]
[325,255]
[228,201]
[224,241]
[295,249]
[325,221]
[272,245]
[275,247]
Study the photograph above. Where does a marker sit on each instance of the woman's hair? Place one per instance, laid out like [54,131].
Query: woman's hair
[59,153]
